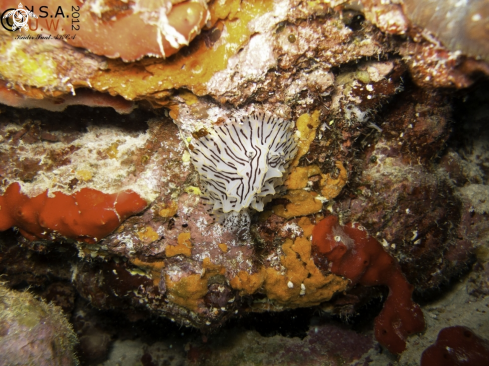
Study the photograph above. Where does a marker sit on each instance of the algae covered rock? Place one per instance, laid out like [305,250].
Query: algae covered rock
[33,332]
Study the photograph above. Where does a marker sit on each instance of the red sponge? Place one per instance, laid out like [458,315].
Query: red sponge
[351,253]
[457,346]
[88,215]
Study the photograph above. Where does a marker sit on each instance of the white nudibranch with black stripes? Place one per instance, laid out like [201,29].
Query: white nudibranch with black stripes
[243,161]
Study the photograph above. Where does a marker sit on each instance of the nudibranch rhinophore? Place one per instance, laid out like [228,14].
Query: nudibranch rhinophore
[243,161]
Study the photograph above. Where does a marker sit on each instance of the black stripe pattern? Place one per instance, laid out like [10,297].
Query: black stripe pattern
[242,162]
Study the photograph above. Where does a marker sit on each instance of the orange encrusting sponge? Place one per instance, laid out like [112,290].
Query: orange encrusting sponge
[87,215]
[351,253]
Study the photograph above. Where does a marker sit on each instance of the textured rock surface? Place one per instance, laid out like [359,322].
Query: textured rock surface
[33,332]
[323,344]
[385,134]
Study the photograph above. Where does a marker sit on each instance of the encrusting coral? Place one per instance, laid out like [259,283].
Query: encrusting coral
[129,30]
[86,97]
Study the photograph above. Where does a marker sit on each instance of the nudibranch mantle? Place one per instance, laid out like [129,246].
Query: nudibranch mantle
[243,161]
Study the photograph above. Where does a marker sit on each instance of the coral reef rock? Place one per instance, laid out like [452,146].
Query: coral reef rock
[169,161]
[33,332]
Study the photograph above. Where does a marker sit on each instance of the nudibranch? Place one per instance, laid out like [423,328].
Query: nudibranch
[242,162]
